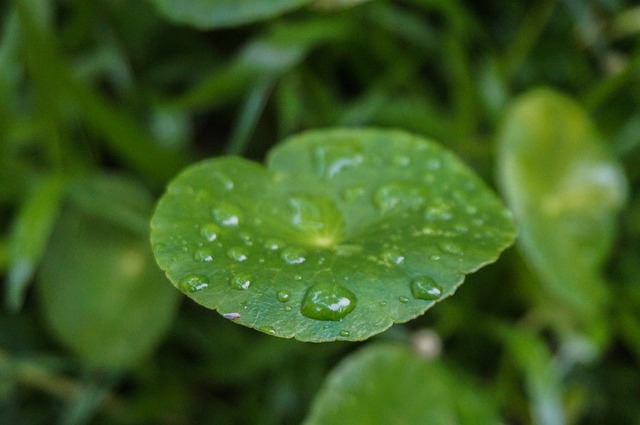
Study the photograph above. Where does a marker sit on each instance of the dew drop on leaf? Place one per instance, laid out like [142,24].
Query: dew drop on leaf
[210,231]
[227,214]
[241,281]
[328,301]
[451,248]
[425,288]
[393,256]
[193,283]
[333,159]
[203,254]
[399,195]
[403,299]
[353,193]
[238,253]
[293,255]
[273,244]
[345,333]
[284,296]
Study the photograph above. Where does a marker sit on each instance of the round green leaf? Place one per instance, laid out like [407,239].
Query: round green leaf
[344,233]
[387,384]
[101,293]
[224,13]
[564,189]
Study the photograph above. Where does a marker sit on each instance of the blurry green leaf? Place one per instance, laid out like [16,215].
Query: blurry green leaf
[100,293]
[335,4]
[345,233]
[386,384]
[224,13]
[30,234]
[542,379]
[564,189]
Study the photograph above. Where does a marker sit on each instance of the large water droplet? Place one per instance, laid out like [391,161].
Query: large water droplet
[238,253]
[392,256]
[425,288]
[227,214]
[203,254]
[284,296]
[293,255]
[241,281]
[399,195]
[335,158]
[193,283]
[328,301]
[210,231]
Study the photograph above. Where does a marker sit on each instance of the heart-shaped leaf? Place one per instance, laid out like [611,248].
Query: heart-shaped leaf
[343,234]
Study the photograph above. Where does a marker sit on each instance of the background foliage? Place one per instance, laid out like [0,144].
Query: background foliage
[102,102]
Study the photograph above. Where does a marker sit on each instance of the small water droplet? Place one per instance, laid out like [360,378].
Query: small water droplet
[328,301]
[238,253]
[399,195]
[287,308]
[382,303]
[344,333]
[273,244]
[335,158]
[433,164]
[246,237]
[293,255]
[210,231]
[404,299]
[284,296]
[401,160]
[193,283]
[223,180]
[203,254]
[353,193]
[435,258]
[425,288]
[241,281]
[297,277]
[392,256]
[268,330]
[227,214]
[440,212]
[451,248]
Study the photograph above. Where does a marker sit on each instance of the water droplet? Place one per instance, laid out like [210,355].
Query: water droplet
[404,299]
[451,248]
[392,256]
[353,193]
[328,301]
[344,333]
[425,288]
[401,160]
[223,180]
[287,308]
[246,237]
[193,283]
[297,277]
[433,164]
[284,296]
[293,255]
[203,254]
[435,258]
[440,212]
[399,195]
[227,214]
[335,158]
[238,253]
[241,281]
[382,303]
[268,330]
[210,231]
[273,244]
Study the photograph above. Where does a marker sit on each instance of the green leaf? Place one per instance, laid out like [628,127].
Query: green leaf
[100,293]
[336,4]
[564,189]
[386,384]
[30,233]
[343,234]
[224,13]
